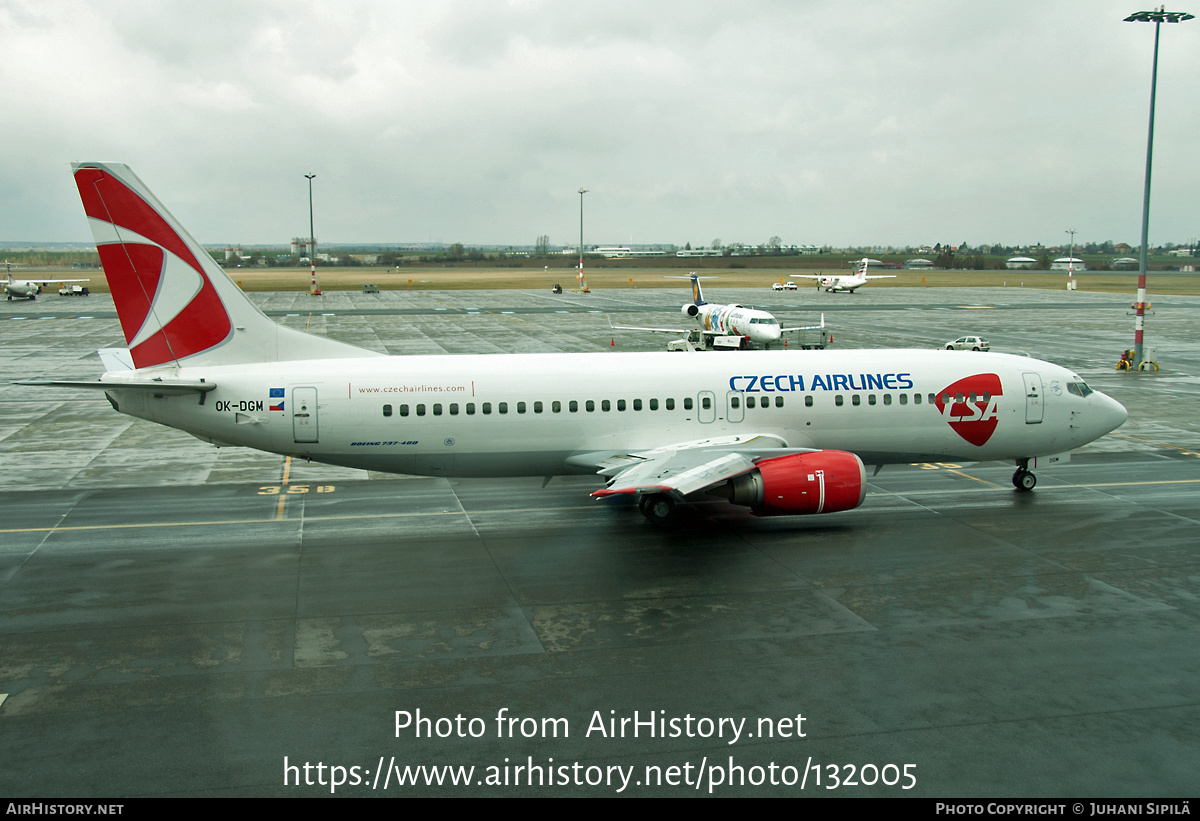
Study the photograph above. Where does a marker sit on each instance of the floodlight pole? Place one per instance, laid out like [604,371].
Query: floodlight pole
[582,191]
[1071,260]
[312,239]
[1157,18]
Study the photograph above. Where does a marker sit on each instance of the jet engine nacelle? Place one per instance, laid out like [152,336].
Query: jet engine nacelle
[824,481]
[690,310]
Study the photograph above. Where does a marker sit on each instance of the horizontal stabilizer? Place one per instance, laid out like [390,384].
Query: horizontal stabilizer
[159,386]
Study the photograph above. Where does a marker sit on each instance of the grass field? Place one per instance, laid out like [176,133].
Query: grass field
[464,278]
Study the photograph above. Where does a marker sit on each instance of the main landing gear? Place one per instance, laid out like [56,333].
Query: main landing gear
[659,508]
[1024,480]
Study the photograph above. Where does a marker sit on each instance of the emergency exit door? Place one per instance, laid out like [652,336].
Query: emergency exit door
[304,414]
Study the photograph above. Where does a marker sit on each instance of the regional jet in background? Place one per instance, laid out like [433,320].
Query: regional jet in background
[726,326]
[26,289]
[777,432]
[847,282]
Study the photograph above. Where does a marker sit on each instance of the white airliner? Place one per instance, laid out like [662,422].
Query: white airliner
[727,322]
[848,282]
[25,289]
[779,432]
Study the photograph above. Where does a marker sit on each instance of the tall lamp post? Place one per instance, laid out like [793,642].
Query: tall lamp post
[582,191]
[312,239]
[1071,261]
[1157,18]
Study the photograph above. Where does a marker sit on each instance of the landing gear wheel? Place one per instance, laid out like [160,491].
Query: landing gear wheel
[1024,481]
[658,508]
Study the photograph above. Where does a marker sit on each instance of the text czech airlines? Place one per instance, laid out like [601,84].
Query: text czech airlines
[822,382]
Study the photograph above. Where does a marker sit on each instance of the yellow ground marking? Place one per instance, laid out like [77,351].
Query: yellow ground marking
[287,467]
[1152,442]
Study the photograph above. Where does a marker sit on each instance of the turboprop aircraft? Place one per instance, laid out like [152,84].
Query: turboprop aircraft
[718,323]
[778,432]
[25,289]
[848,282]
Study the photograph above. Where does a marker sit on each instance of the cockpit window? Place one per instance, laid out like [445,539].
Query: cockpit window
[1079,388]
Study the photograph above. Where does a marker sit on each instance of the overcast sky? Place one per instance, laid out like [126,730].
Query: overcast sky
[835,123]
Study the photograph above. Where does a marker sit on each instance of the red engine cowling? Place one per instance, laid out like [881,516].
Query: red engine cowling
[824,481]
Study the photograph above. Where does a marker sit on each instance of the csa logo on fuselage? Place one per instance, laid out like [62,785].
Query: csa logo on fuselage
[969,406]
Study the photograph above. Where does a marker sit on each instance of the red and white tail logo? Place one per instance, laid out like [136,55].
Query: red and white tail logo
[167,305]
[971,409]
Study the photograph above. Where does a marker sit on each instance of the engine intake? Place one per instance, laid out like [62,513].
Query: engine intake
[824,481]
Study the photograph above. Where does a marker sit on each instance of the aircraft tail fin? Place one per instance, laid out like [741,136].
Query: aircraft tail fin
[175,304]
[697,296]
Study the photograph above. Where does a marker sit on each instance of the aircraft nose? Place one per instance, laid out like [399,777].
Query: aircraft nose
[1110,414]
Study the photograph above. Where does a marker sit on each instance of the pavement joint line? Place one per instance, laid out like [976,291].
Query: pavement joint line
[418,514]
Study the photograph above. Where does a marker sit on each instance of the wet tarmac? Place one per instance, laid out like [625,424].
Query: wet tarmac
[178,619]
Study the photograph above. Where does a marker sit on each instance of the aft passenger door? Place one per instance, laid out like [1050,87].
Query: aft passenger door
[304,414]
[1033,398]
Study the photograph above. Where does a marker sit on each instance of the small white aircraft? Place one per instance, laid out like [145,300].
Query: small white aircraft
[26,289]
[727,325]
[773,431]
[847,282]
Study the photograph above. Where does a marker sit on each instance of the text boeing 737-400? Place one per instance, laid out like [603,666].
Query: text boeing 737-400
[778,432]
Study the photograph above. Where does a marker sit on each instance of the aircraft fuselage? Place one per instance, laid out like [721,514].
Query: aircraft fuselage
[529,414]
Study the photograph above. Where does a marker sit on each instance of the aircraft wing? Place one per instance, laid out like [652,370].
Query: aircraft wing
[881,276]
[808,276]
[654,330]
[685,468]
[805,327]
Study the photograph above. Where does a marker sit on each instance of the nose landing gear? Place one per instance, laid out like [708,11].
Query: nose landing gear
[1023,479]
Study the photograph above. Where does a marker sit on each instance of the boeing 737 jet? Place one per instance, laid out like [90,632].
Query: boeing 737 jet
[848,282]
[724,322]
[778,432]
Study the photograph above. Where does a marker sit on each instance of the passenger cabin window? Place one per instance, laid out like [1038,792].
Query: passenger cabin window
[670,404]
[779,401]
[502,407]
[687,403]
[470,409]
[387,410]
[437,410]
[487,408]
[653,404]
[420,410]
[454,409]
[574,406]
[404,410]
